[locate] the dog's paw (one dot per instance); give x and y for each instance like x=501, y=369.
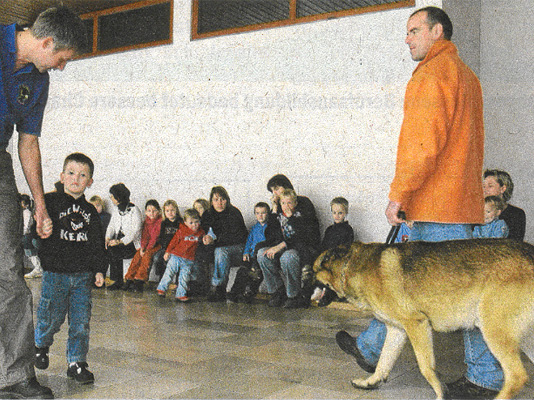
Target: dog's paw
x=365, y=384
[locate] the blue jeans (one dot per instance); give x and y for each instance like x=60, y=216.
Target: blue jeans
x=181, y=266
x=224, y=258
x=62, y=295
x=482, y=367
x=288, y=263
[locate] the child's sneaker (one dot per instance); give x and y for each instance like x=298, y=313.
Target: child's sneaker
x=79, y=372
x=161, y=293
x=183, y=299
x=41, y=358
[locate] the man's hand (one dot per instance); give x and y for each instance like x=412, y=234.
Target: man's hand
x=392, y=213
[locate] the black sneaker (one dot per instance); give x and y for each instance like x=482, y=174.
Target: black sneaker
x=28, y=389
x=217, y=294
x=41, y=357
x=348, y=344
x=278, y=298
x=464, y=389
x=127, y=285
x=79, y=372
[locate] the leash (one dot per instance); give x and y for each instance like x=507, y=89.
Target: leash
x=394, y=231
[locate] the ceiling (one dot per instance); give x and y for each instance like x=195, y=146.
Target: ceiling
x=24, y=12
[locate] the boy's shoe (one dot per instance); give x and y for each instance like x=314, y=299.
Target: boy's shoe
x=232, y=297
x=138, y=286
x=278, y=298
x=161, y=293
x=28, y=389
x=115, y=286
x=127, y=285
x=41, y=357
x=79, y=372
x=35, y=273
x=183, y=299
x=292, y=302
x=217, y=294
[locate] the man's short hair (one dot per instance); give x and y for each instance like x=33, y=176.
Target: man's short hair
x=435, y=15
x=63, y=26
x=343, y=202
x=504, y=179
x=82, y=159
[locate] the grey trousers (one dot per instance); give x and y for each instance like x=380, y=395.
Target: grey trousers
x=17, y=352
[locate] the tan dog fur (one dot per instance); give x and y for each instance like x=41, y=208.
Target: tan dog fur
x=415, y=287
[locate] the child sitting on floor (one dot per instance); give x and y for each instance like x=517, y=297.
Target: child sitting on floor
x=138, y=271
x=180, y=255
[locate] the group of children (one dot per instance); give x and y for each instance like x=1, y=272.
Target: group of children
x=74, y=258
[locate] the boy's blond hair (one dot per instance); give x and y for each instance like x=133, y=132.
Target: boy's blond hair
x=289, y=193
x=496, y=201
x=191, y=213
x=343, y=202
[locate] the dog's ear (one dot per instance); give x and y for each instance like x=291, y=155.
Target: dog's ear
x=335, y=254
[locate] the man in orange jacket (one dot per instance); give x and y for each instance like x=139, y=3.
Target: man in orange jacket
x=437, y=178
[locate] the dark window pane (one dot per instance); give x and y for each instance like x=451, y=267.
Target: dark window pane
x=215, y=15
x=134, y=27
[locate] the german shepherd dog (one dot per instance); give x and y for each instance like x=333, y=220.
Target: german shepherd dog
x=415, y=287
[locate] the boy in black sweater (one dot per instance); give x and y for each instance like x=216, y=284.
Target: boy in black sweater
x=73, y=257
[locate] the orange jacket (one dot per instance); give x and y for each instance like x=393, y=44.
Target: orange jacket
x=438, y=175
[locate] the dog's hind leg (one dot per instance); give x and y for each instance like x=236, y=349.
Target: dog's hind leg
x=503, y=341
x=393, y=345
x=420, y=333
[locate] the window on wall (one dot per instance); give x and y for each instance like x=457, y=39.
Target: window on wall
x=223, y=17
x=133, y=26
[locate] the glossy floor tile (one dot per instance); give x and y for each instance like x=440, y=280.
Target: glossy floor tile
x=146, y=347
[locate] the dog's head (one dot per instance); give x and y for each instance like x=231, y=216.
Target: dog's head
x=328, y=268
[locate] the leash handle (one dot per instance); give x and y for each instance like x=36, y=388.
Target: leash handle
x=394, y=231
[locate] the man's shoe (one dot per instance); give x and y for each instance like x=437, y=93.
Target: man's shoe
x=28, y=389
x=79, y=372
x=41, y=357
x=464, y=389
x=348, y=344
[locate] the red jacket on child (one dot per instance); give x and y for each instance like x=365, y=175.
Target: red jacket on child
x=185, y=242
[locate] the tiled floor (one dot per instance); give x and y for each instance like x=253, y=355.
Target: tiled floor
x=143, y=346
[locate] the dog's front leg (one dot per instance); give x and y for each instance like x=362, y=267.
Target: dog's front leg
x=393, y=345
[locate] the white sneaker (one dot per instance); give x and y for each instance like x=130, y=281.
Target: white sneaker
x=36, y=273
